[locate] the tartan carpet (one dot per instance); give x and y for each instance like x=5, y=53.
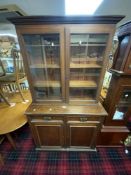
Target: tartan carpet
x=27, y=161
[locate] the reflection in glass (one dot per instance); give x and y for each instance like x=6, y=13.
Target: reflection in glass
x=44, y=62
x=120, y=113
x=82, y=93
x=87, y=48
x=86, y=59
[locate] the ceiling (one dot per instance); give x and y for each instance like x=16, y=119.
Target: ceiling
x=57, y=7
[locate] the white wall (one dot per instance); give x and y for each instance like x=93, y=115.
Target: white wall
x=57, y=7
x=116, y=7
x=33, y=7
x=38, y=7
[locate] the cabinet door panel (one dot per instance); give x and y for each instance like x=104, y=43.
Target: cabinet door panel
x=118, y=100
x=128, y=63
x=86, y=57
x=44, y=63
x=82, y=134
x=44, y=51
x=121, y=109
x=49, y=133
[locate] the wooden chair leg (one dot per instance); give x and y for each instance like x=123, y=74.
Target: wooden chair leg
x=9, y=137
x=1, y=160
x=6, y=101
x=21, y=94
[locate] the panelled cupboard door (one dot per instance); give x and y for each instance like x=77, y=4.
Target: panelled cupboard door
x=48, y=133
x=87, y=50
x=44, y=49
x=82, y=134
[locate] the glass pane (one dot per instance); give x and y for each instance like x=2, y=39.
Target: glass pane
x=44, y=62
x=98, y=38
x=82, y=94
x=120, y=113
x=86, y=58
x=8, y=64
x=123, y=105
x=126, y=97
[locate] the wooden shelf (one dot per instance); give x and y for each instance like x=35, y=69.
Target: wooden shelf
x=42, y=45
x=72, y=65
x=86, y=45
x=81, y=65
x=43, y=66
x=85, y=84
x=83, y=76
x=78, y=98
x=47, y=84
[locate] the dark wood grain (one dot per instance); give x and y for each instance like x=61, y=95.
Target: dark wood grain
x=122, y=57
x=66, y=123
x=28, y=20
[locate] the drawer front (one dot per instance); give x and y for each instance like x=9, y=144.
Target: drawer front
x=86, y=118
x=66, y=119
x=45, y=118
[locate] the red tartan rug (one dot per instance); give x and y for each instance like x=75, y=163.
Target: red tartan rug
x=27, y=161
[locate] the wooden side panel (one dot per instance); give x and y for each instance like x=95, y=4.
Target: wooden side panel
x=112, y=136
x=128, y=63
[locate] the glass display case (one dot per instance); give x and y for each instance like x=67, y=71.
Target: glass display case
x=123, y=105
x=69, y=76
x=65, y=60
x=118, y=106
x=118, y=100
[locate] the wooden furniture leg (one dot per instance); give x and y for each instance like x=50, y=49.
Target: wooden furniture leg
x=6, y=101
x=19, y=88
x=9, y=137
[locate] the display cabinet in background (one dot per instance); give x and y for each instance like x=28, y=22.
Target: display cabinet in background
x=118, y=99
x=65, y=60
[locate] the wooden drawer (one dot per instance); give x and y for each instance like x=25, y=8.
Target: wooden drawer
x=85, y=118
x=44, y=118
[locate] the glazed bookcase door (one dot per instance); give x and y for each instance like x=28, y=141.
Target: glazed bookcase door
x=122, y=106
x=45, y=62
x=86, y=57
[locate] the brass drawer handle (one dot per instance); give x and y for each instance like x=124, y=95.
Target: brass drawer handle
x=47, y=118
x=83, y=119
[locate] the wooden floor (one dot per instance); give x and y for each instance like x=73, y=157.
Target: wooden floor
x=13, y=114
